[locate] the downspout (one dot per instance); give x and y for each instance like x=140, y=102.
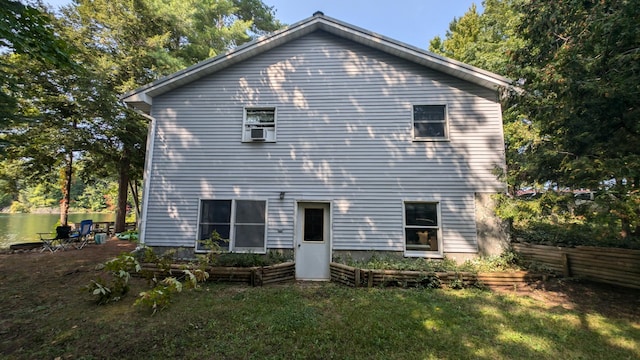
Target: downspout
x=142, y=221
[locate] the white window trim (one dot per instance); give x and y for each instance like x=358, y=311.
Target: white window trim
x=423, y=254
x=432, y=138
x=232, y=224
x=271, y=131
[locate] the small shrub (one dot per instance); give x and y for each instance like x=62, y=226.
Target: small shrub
x=508, y=260
x=429, y=281
x=456, y=284
x=160, y=296
x=385, y=262
x=194, y=277
x=393, y=282
x=119, y=272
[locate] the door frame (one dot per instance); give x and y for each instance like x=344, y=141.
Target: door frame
x=297, y=232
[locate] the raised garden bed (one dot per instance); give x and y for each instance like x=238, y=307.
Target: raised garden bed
x=356, y=277
x=255, y=276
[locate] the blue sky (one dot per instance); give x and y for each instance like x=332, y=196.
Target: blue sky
x=411, y=21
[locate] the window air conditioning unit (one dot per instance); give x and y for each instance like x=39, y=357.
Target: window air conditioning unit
x=258, y=134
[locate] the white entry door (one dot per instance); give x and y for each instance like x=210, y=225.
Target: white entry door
x=313, y=241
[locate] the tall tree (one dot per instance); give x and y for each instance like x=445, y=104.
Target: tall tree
x=461, y=39
x=25, y=30
x=48, y=128
x=581, y=70
x=128, y=43
x=35, y=68
x=488, y=40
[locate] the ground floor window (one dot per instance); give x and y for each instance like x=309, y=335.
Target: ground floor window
x=422, y=228
x=239, y=225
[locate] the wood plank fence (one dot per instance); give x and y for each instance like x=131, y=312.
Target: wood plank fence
x=606, y=265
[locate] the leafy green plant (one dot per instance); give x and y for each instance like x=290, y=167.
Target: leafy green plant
x=506, y=261
x=429, y=281
x=249, y=259
x=160, y=296
x=119, y=272
x=194, y=277
x=456, y=284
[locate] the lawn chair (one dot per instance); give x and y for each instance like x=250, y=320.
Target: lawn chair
x=60, y=241
x=80, y=238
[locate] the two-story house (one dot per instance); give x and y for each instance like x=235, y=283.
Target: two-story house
x=320, y=139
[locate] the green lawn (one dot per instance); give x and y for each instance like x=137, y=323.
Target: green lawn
x=311, y=321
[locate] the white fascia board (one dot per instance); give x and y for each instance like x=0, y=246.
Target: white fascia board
x=414, y=54
x=219, y=62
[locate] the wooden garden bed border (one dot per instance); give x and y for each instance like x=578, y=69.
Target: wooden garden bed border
x=356, y=277
x=351, y=276
x=254, y=276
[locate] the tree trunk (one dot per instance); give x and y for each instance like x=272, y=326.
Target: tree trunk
x=66, y=191
x=123, y=183
x=134, y=192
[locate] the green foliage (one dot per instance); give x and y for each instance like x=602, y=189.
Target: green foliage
x=27, y=30
x=96, y=196
x=194, y=277
x=483, y=40
x=163, y=262
x=57, y=114
x=456, y=284
x=123, y=263
x=430, y=281
x=506, y=261
x=117, y=285
x=575, y=121
x=160, y=296
x=397, y=263
x=17, y=207
x=249, y=259
x=558, y=219
x=580, y=69
x=164, y=289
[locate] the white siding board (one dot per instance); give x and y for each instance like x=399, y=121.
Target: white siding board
x=343, y=134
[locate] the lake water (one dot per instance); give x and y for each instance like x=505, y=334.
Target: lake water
x=19, y=228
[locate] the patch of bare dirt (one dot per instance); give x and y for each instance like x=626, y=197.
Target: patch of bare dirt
x=584, y=296
x=63, y=261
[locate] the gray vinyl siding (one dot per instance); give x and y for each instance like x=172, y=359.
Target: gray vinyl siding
x=344, y=125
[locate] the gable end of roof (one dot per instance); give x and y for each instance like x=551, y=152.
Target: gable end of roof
x=142, y=98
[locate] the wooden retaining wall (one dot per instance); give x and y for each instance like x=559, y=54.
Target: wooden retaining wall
x=255, y=276
x=356, y=277
x=607, y=265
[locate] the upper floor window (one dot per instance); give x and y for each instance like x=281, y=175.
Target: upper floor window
x=259, y=125
x=430, y=122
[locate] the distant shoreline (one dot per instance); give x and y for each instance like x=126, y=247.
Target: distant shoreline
x=55, y=210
